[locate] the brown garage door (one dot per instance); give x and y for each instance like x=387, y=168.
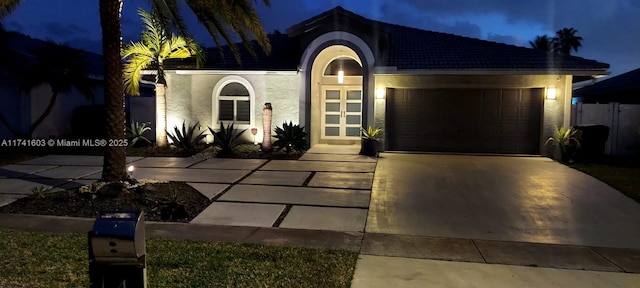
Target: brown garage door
x=464, y=120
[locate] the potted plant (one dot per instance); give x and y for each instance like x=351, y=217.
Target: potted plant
x=370, y=141
x=566, y=142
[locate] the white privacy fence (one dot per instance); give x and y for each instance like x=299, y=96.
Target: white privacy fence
x=623, y=121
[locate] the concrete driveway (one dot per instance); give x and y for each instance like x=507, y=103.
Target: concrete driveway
x=523, y=199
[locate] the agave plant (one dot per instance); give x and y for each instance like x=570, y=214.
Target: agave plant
x=135, y=131
x=226, y=138
x=563, y=138
x=290, y=137
x=371, y=133
x=187, y=139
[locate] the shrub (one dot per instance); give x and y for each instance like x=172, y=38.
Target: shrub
x=564, y=138
x=135, y=131
x=290, y=137
x=39, y=192
x=187, y=139
x=226, y=138
x=371, y=133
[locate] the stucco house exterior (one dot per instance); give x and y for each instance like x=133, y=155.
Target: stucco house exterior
x=429, y=91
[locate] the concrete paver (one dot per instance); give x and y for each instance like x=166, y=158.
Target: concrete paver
x=319, y=166
x=288, y=178
x=342, y=180
x=337, y=158
x=420, y=247
x=334, y=149
x=379, y=271
x=240, y=214
x=520, y=199
x=75, y=184
x=325, y=218
x=18, y=171
x=627, y=259
x=173, y=162
x=544, y=255
x=67, y=172
x=298, y=195
x=72, y=160
x=226, y=163
x=190, y=174
x=209, y=190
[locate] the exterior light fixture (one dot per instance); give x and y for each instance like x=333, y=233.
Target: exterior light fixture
x=340, y=77
x=254, y=131
x=130, y=170
x=380, y=93
x=552, y=93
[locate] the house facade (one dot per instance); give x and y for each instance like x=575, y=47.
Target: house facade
x=429, y=91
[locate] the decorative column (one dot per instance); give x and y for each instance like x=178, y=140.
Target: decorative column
x=267, y=113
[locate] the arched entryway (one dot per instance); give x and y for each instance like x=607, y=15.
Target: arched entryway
x=337, y=96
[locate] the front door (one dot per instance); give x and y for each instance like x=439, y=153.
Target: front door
x=341, y=112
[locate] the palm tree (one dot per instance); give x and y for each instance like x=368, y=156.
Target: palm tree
x=7, y=6
x=543, y=43
x=113, y=168
x=221, y=18
x=154, y=48
x=566, y=40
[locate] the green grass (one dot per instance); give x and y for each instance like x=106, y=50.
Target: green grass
x=35, y=260
x=624, y=179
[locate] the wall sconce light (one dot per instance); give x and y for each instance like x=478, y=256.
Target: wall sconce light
x=380, y=93
x=340, y=77
x=254, y=131
x=552, y=93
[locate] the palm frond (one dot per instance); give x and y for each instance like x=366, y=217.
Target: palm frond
x=7, y=6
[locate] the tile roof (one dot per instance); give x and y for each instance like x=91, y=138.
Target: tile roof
x=407, y=49
x=283, y=57
x=411, y=48
x=25, y=47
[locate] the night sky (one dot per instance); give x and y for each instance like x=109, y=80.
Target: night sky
x=609, y=28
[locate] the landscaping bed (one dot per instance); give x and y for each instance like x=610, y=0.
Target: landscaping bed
x=37, y=260
x=171, y=201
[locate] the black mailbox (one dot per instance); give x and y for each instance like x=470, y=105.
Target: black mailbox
x=117, y=250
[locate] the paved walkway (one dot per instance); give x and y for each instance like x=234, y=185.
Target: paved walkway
x=321, y=191
x=324, y=198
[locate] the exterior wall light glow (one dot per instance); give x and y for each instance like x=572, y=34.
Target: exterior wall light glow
x=380, y=93
x=552, y=93
x=340, y=77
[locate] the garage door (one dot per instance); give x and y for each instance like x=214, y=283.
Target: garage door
x=464, y=120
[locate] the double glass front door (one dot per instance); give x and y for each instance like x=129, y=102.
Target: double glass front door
x=341, y=112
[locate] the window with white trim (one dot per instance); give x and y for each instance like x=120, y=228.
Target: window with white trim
x=234, y=104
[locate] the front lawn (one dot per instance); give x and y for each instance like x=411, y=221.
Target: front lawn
x=624, y=178
x=60, y=260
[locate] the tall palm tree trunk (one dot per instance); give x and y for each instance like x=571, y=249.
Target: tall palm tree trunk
x=114, y=156
x=161, y=116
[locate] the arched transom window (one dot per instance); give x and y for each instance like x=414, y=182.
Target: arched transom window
x=234, y=104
